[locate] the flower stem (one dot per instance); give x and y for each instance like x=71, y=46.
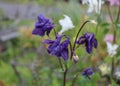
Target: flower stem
x=55, y=32
x=117, y=19
x=60, y=64
x=112, y=67
x=74, y=79
x=111, y=18
x=65, y=75
x=96, y=31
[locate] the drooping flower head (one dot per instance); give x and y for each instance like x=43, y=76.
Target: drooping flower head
x=43, y=26
x=89, y=40
x=58, y=48
x=88, y=72
x=66, y=24
x=114, y=2
x=111, y=49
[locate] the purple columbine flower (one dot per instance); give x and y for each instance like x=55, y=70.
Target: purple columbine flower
x=64, y=49
x=88, y=72
x=58, y=49
x=42, y=26
x=89, y=40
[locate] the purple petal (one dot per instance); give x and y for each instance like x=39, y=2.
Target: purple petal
x=95, y=43
x=42, y=26
x=64, y=54
x=56, y=51
x=48, y=41
x=87, y=72
x=81, y=40
x=38, y=32
x=38, y=25
x=89, y=47
x=41, y=18
x=64, y=49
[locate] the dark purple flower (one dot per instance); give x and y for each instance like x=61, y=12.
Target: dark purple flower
x=89, y=40
x=42, y=26
x=58, y=49
x=88, y=72
x=64, y=49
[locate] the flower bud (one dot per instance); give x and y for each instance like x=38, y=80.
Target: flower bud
x=75, y=58
x=93, y=21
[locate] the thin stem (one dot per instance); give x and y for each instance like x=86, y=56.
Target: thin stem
x=60, y=62
x=97, y=28
x=98, y=23
x=118, y=13
x=74, y=79
x=65, y=75
x=111, y=18
x=54, y=32
x=71, y=50
x=109, y=12
x=117, y=20
x=112, y=66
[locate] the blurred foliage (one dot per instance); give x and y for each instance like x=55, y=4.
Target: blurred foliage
x=41, y=2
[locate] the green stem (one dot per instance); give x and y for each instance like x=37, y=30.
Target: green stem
x=60, y=62
x=54, y=32
x=65, y=75
x=74, y=79
x=71, y=50
x=112, y=69
x=98, y=17
x=111, y=18
x=118, y=13
x=113, y=66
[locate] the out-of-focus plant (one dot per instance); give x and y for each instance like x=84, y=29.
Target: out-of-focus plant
x=94, y=5
x=110, y=28
x=43, y=2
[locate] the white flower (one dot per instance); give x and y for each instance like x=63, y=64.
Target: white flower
x=111, y=49
x=66, y=24
x=94, y=5
x=117, y=73
x=93, y=21
x=118, y=25
x=104, y=69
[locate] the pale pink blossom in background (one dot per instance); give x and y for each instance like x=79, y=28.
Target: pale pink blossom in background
x=114, y=2
x=109, y=38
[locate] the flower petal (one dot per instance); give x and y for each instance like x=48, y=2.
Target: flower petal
x=95, y=43
x=43, y=26
x=88, y=47
x=66, y=24
x=48, y=41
